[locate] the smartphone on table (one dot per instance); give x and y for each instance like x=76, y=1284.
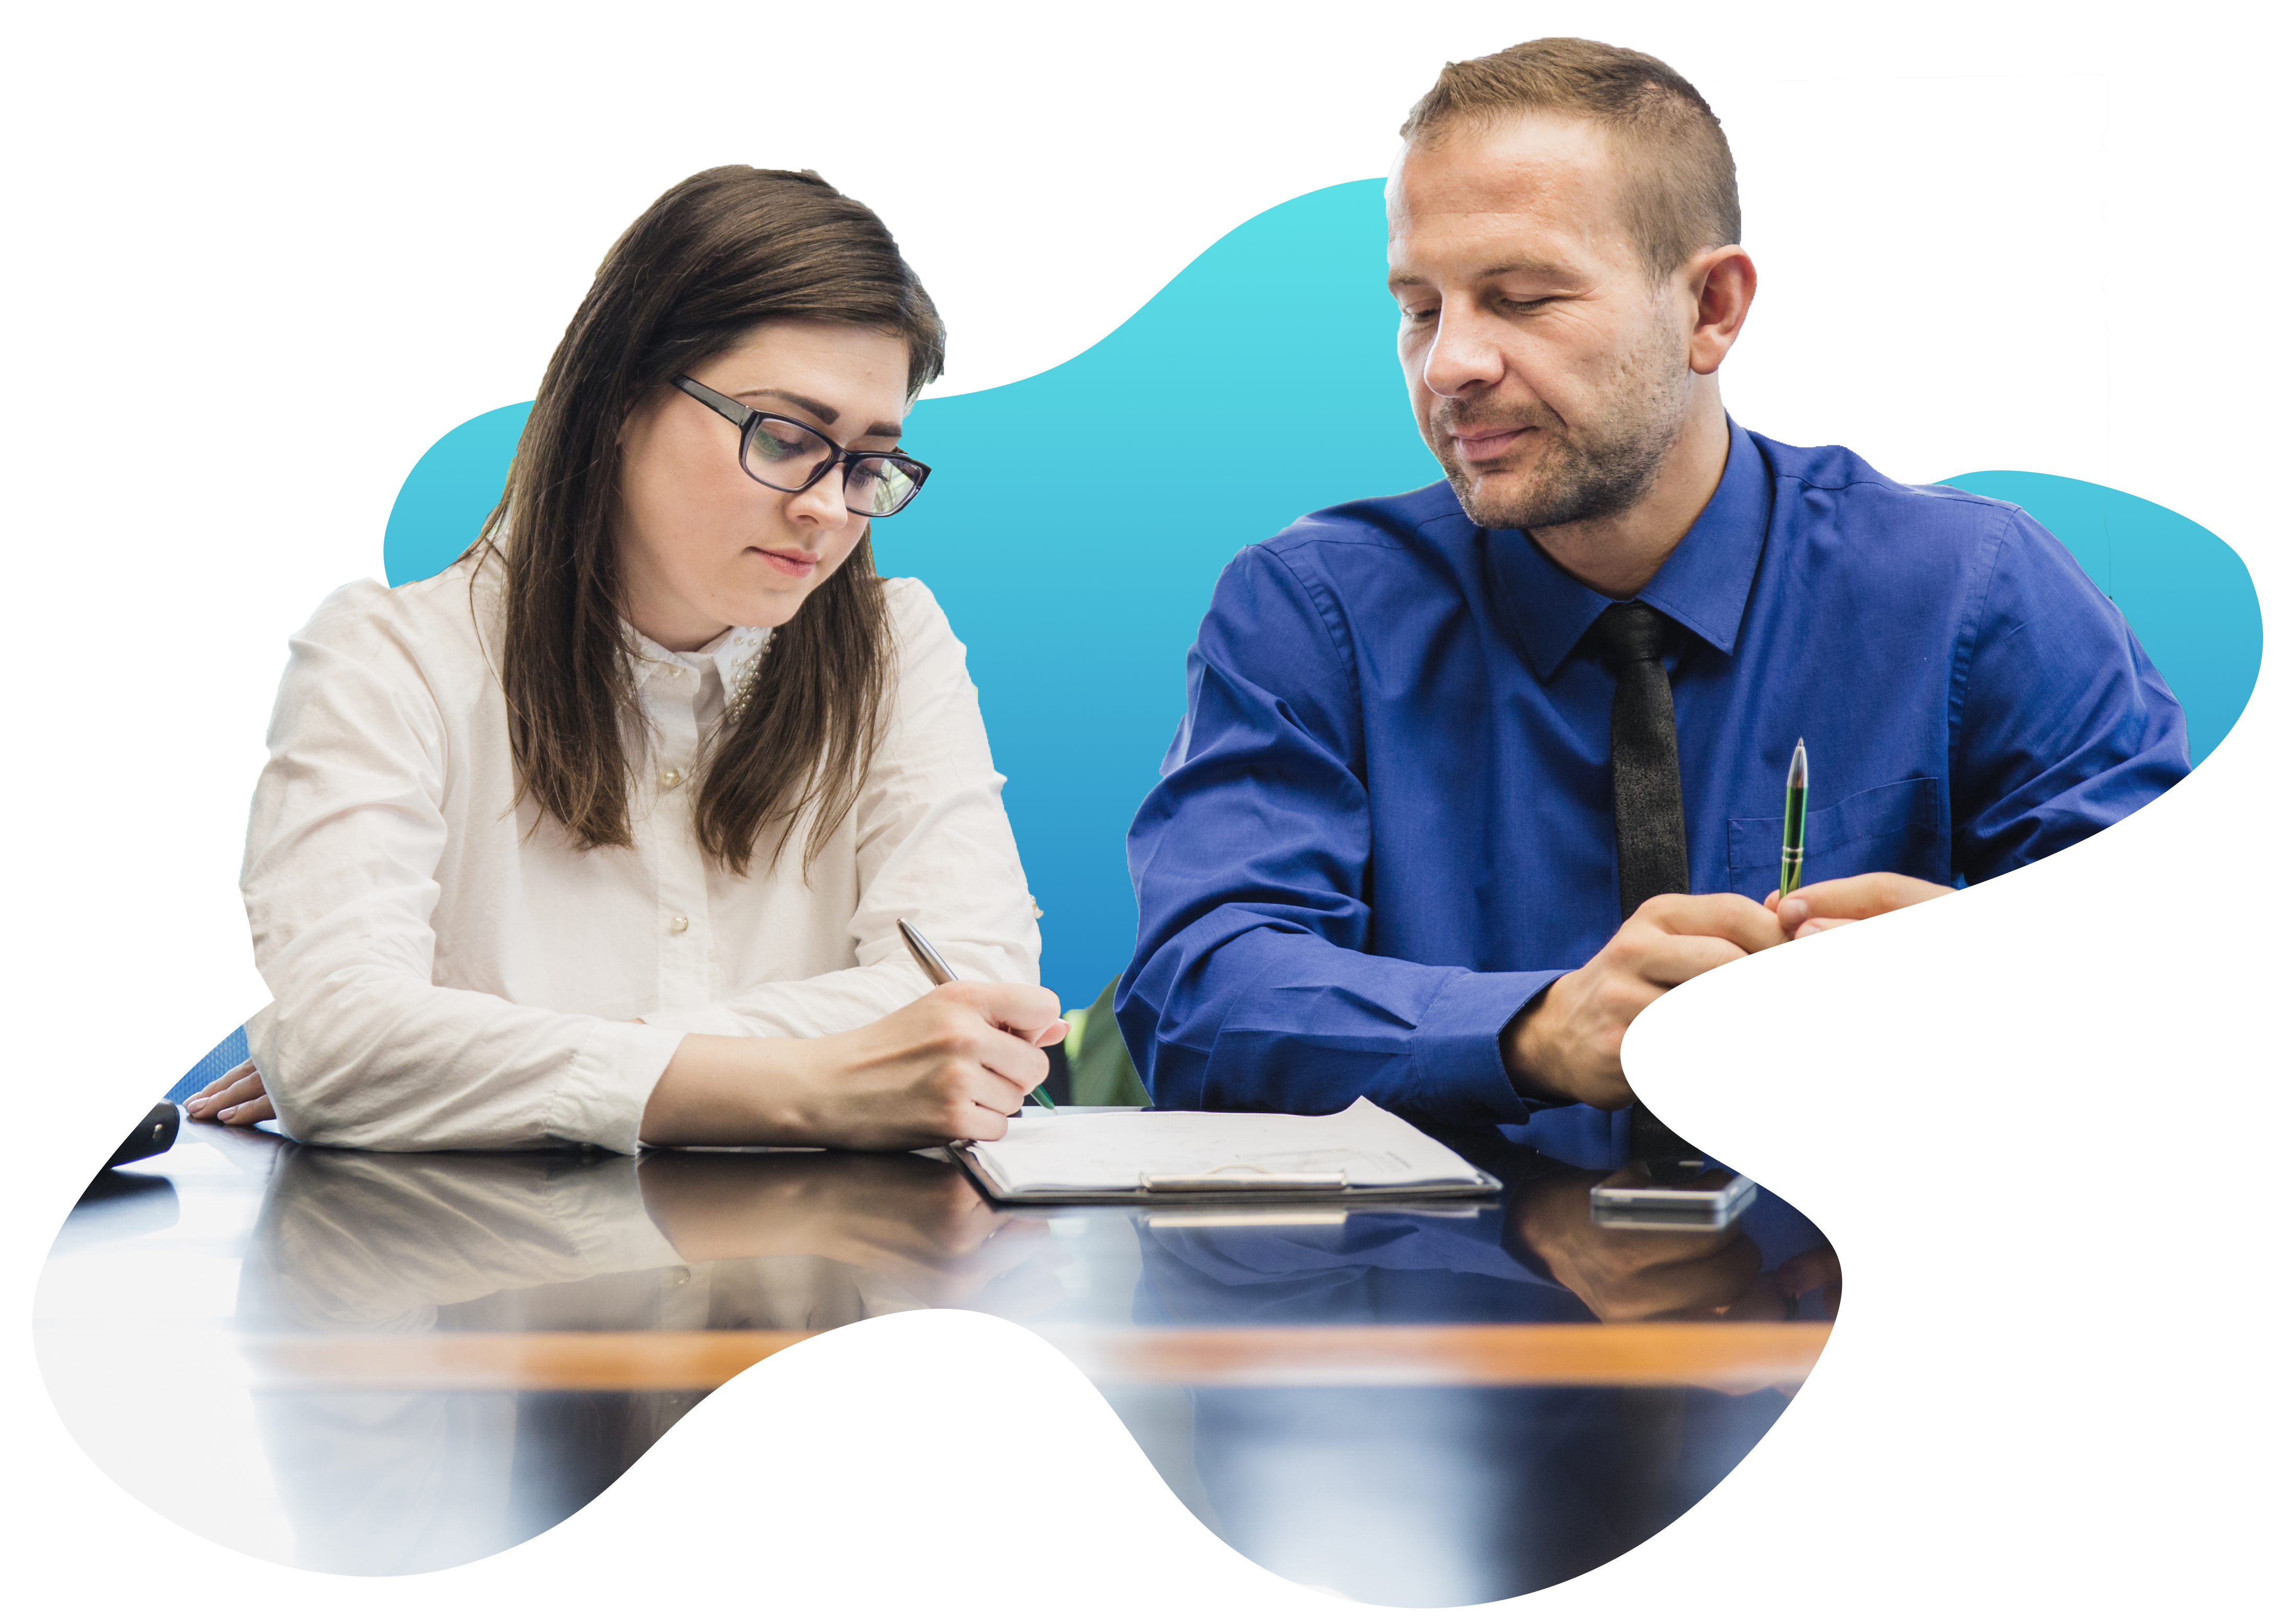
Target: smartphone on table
x=1671, y=1192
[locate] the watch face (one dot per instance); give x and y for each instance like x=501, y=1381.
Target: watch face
x=2062, y=1072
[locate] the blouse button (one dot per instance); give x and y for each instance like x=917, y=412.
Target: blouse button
x=677, y=924
x=670, y=777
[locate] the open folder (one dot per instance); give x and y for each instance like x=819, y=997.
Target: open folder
x=1361, y=1153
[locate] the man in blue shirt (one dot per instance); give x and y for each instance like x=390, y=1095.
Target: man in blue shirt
x=1382, y=860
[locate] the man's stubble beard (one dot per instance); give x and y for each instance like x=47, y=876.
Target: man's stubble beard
x=1593, y=470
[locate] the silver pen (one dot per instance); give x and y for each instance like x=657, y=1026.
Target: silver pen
x=939, y=972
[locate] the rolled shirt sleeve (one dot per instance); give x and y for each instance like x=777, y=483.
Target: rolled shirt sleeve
x=359, y=1047
x=450, y=971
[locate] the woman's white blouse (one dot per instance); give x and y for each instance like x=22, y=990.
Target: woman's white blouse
x=448, y=971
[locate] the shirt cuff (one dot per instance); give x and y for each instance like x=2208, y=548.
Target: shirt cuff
x=1456, y=1046
x=713, y=1020
x=2117, y=1036
x=601, y=1099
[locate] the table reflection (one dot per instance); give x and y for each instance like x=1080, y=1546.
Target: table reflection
x=349, y=1242
x=1427, y=1504
x=1667, y=1506
x=1861, y=1216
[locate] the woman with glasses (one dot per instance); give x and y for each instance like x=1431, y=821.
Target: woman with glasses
x=603, y=835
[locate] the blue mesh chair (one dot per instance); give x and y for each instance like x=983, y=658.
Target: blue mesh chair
x=168, y=1004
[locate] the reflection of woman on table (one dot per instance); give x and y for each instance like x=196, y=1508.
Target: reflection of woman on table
x=350, y=1245
x=600, y=836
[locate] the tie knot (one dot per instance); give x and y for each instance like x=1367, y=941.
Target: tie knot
x=1632, y=632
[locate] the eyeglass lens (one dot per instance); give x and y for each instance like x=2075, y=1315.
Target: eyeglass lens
x=787, y=457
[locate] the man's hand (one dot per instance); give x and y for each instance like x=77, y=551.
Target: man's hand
x=1918, y=959
x=1565, y=1042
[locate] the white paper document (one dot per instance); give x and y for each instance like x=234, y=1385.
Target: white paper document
x=1363, y=1147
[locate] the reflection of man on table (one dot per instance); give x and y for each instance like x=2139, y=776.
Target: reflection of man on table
x=1593, y=1504
x=1388, y=857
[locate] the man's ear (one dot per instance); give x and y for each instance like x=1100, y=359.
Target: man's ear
x=1721, y=283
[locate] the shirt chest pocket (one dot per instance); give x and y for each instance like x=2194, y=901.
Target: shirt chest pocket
x=1895, y=828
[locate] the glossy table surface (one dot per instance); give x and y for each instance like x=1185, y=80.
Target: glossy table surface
x=369, y=1363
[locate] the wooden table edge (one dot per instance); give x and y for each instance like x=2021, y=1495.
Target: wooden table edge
x=1317, y=1355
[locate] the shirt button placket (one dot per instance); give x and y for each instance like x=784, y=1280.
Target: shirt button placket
x=681, y=865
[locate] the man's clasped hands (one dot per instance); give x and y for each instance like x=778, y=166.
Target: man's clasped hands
x=1678, y=994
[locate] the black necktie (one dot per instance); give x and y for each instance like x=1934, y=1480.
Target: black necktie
x=1652, y=846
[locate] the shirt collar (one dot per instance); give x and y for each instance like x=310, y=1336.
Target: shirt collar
x=727, y=657
x=1703, y=585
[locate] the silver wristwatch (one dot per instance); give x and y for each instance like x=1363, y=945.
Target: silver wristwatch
x=2048, y=1074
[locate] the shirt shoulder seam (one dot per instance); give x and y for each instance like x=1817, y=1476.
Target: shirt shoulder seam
x=1320, y=600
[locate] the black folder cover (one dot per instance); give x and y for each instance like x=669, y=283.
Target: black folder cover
x=72, y=1132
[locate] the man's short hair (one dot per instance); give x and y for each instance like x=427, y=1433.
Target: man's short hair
x=1666, y=138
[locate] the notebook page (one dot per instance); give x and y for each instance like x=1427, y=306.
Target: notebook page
x=1121, y=1150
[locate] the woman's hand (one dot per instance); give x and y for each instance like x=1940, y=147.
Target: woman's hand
x=235, y=1097
x=954, y=1063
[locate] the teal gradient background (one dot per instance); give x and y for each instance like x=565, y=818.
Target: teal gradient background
x=2197, y=540
x=234, y=321
x=2074, y=510
x=234, y=364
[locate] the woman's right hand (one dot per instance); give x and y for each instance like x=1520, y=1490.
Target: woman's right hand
x=954, y=1063
x=235, y=1097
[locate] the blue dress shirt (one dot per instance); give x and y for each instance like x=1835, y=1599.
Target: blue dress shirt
x=1385, y=823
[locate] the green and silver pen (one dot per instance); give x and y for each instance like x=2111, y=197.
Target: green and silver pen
x=1796, y=813
x=939, y=972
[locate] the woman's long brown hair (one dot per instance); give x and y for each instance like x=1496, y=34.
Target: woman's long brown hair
x=722, y=252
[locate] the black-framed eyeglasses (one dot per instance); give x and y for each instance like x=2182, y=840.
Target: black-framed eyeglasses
x=789, y=455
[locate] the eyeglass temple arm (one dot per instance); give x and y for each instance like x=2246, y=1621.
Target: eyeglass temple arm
x=737, y=411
